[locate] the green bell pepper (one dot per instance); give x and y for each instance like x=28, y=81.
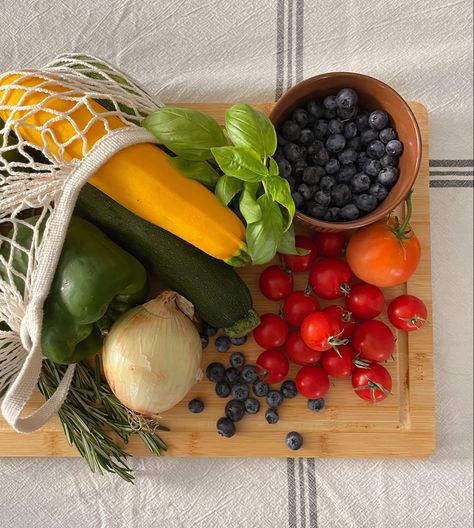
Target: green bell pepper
x=95, y=282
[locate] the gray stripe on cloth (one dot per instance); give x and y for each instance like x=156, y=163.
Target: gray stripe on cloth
x=312, y=494
x=452, y=163
x=280, y=51
x=299, y=39
x=302, y=492
x=451, y=173
x=451, y=183
x=290, y=472
x=289, y=80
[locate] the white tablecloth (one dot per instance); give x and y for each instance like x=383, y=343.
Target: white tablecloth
x=251, y=51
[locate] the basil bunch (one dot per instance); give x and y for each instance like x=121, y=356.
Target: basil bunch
x=250, y=183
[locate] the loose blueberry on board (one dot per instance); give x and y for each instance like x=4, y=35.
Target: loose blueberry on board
x=215, y=372
x=237, y=360
x=290, y=130
x=222, y=389
x=350, y=130
x=378, y=119
x=272, y=416
x=260, y=388
x=208, y=330
x=312, y=175
x=196, y=405
x=225, y=427
x=349, y=212
x=388, y=176
x=333, y=214
x=274, y=399
x=288, y=389
x=376, y=149
x=346, y=98
x=249, y=373
x=232, y=375
x=222, y=344
x=332, y=166
x=360, y=183
x=394, y=147
x=335, y=126
x=346, y=173
x=306, y=137
x=238, y=341
x=294, y=440
x=204, y=341
x=235, y=410
x=372, y=167
x=365, y=202
x=335, y=143
x=388, y=161
x=316, y=405
x=347, y=156
x=252, y=405
x=379, y=191
x=387, y=134
x=240, y=391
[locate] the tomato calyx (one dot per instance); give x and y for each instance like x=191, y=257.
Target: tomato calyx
x=346, y=316
x=345, y=288
x=308, y=290
x=334, y=341
x=415, y=320
x=373, y=386
x=402, y=231
x=361, y=363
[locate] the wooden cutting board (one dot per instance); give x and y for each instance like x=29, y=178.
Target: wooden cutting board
x=403, y=425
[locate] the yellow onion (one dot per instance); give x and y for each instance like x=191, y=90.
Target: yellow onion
x=152, y=354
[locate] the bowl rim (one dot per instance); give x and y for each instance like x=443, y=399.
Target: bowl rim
x=382, y=210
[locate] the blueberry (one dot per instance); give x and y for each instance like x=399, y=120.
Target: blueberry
x=362, y=121
x=347, y=156
x=225, y=427
x=332, y=166
x=298, y=199
x=240, y=391
x=314, y=188
x=232, y=375
x=388, y=176
x=292, y=183
x=347, y=114
x=249, y=373
x=316, y=405
x=346, y=173
x=372, y=167
x=350, y=130
x=361, y=159
x=360, y=183
x=323, y=197
x=196, y=406
x=335, y=143
x=288, y=389
x=260, y=388
x=387, y=134
x=335, y=126
x=215, y=372
x=314, y=109
x=330, y=103
x=204, y=341
x=208, y=330
x=340, y=195
x=367, y=136
x=252, y=405
x=388, y=161
x=365, y=202
x=238, y=341
x=312, y=175
x=290, y=130
x=294, y=440
x=292, y=151
x=321, y=157
x=355, y=143
x=378, y=119
x=274, y=398
x=317, y=211
x=234, y=410
x=222, y=389
x=346, y=98
x=379, y=191
x=298, y=167
x=222, y=344
x=271, y=416
x=306, y=137
x=329, y=114
x=321, y=129
x=300, y=117
x=237, y=360
x=376, y=149
x=333, y=214
x=281, y=140
x=284, y=167
x=305, y=191
x=394, y=147
x=327, y=182
x=315, y=146
x=349, y=212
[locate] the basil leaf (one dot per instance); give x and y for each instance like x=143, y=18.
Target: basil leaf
x=187, y=133
x=287, y=243
x=248, y=127
x=279, y=190
x=249, y=207
x=227, y=187
x=274, y=169
x=200, y=171
x=240, y=162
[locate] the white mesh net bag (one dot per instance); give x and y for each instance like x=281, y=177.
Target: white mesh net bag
x=58, y=126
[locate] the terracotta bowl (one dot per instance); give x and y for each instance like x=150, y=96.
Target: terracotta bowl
x=373, y=94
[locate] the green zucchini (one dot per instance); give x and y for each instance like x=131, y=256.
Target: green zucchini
x=219, y=295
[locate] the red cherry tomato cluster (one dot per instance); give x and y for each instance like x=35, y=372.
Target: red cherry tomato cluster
x=341, y=341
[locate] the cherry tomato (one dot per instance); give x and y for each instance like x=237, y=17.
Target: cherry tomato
x=312, y=382
x=407, y=312
x=343, y=317
x=298, y=352
x=365, y=301
x=321, y=332
x=297, y=306
x=329, y=278
x=274, y=365
x=301, y=262
x=339, y=363
x=272, y=332
x=373, y=383
x=329, y=244
x=275, y=283
x=373, y=340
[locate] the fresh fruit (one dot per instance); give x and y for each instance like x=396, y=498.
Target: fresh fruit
x=312, y=382
x=196, y=406
x=329, y=244
x=407, y=312
x=237, y=360
x=274, y=399
x=275, y=283
x=238, y=341
x=260, y=388
x=372, y=382
x=394, y=147
x=274, y=365
x=316, y=404
x=232, y=375
x=338, y=363
x=344, y=319
x=204, y=341
x=222, y=389
x=329, y=278
x=271, y=416
x=378, y=119
x=249, y=373
x=215, y=372
x=321, y=332
x=208, y=330
x=300, y=263
x=299, y=352
x=252, y=405
x=272, y=332
x=225, y=427
x=288, y=389
x=294, y=441
x=373, y=340
x=240, y=391
x=222, y=343
x=365, y=301
x=296, y=307
x=235, y=410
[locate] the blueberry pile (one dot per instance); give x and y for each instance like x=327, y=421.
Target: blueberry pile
x=340, y=162
x=222, y=343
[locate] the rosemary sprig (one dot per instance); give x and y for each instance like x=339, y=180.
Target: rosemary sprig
x=91, y=412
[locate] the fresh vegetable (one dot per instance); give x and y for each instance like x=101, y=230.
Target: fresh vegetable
x=329, y=244
x=95, y=282
x=372, y=382
x=274, y=366
x=300, y=263
x=275, y=283
x=407, y=312
x=321, y=332
x=298, y=305
x=343, y=317
x=152, y=354
x=294, y=440
x=219, y=295
x=385, y=253
x=339, y=363
x=329, y=278
x=312, y=382
x=272, y=332
x=140, y=177
x=299, y=352
x=365, y=301
x=373, y=340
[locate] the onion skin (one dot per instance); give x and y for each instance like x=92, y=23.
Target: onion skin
x=152, y=354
